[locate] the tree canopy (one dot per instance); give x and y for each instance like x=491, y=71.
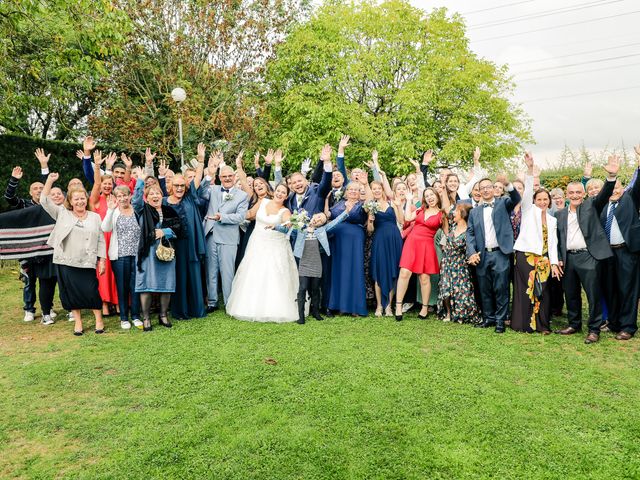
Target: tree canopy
x=395, y=79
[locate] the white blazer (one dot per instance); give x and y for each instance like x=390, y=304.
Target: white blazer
x=108, y=224
x=530, y=238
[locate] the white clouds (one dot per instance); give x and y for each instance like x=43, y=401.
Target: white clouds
x=562, y=113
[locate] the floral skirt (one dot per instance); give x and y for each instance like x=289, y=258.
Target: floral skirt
x=531, y=310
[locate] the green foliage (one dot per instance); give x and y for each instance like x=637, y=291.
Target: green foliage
x=365, y=398
x=53, y=57
x=394, y=79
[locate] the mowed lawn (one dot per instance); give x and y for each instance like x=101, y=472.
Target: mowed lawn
x=344, y=398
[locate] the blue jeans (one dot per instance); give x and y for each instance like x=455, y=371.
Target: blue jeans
x=124, y=271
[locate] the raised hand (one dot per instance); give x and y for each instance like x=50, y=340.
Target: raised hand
x=88, y=145
x=256, y=160
x=415, y=164
x=476, y=156
x=613, y=165
x=112, y=203
x=502, y=178
x=344, y=143
x=215, y=159
x=277, y=157
x=17, y=173
x=53, y=177
x=268, y=158
x=110, y=160
x=148, y=156
x=80, y=154
x=374, y=157
x=427, y=157
x=528, y=161
x=42, y=158
x=201, y=151
x=162, y=168
x=239, y=161
x=588, y=169
x=306, y=166
x=536, y=171
x=97, y=158
x=325, y=153
x=138, y=173
x=126, y=160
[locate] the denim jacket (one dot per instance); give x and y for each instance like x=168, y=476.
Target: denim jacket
x=320, y=233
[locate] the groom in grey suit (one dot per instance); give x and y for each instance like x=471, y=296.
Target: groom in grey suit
x=226, y=211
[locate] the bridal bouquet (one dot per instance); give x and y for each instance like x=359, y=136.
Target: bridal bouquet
x=299, y=219
x=371, y=207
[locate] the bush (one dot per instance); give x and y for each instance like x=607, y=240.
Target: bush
x=560, y=177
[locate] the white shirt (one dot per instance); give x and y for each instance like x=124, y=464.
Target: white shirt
x=490, y=237
x=616, y=234
x=575, y=239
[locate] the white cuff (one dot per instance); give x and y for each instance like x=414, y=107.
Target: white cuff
x=509, y=187
x=44, y=171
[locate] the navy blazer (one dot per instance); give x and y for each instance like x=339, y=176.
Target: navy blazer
x=501, y=222
x=314, y=195
x=626, y=214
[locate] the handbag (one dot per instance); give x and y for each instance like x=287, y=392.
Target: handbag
x=165, y=253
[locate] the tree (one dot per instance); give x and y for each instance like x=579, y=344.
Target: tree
x=53, y=56
x=214, y=50
x=395, y=79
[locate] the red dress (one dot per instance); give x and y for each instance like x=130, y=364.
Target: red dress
x=419, y=252
x=106, y=282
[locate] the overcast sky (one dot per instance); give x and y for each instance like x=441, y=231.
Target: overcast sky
x=559, y=70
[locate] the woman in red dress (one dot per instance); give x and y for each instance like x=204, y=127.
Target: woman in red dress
x=101, y=191
x=419, y=253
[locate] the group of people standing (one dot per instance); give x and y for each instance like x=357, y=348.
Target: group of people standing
x=489, y=253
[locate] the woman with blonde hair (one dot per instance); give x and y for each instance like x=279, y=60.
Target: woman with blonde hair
x=78, y=247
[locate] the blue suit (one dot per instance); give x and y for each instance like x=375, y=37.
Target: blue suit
x=494, y=266
x=313, y=197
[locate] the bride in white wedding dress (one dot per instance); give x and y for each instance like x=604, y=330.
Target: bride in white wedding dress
x=265, y=286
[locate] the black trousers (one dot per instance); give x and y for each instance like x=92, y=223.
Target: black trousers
x=493, y=278
x=583, y=270
x=622, y=286
x=311, y=285
x=557, y=296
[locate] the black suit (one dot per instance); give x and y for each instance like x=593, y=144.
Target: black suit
x=622, y=270
x=583, y=267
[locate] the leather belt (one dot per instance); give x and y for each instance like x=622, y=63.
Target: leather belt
x=577, y=250
x=491, y=249
x=619, y=245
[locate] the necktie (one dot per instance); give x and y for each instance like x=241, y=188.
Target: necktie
x=609, y=222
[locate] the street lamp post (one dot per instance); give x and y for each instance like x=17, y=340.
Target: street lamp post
x=179, y=95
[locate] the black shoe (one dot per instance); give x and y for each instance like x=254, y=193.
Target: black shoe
x=166, y=323
x=317, y=316
x=146, y=325
x=329, y=314
x=424, y=317
x=99, y=330
x=500, y=329
x=78, y=334
x=211, y=308
x=484, y=325
x=399, y=317
x=300, y=321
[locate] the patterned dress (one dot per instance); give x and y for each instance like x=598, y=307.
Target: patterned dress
x=455, y=281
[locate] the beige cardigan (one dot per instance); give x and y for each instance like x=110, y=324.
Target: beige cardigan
x=75, y=244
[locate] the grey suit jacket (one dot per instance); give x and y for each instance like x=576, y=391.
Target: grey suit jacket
x=233, y=211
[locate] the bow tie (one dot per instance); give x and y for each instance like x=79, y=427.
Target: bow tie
x=225, y=190
x=490, y=205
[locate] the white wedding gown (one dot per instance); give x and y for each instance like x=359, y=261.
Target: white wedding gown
x=265, y=286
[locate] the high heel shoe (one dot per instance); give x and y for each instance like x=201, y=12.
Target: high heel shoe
x=166, y=323
x=398, y=317
x=146, y=325
x=378, y=312
x=424, y=317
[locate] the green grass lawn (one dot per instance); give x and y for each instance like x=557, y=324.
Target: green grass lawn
x=344, y=398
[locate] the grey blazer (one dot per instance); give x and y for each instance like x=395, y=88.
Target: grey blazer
x=225, y=231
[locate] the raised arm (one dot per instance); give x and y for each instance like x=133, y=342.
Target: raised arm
x=527, y=198
x=325, y=184
x=612, y=167
x=94, y=197
x=242, y=176
x=51, y=208
x=137, y=201
x=427, y=157
x=344, y=143
x=476, y=175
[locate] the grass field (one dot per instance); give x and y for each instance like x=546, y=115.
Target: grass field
x=344, y=398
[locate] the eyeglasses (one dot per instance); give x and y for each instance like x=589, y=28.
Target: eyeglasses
x=486, y=187
x=179, y=185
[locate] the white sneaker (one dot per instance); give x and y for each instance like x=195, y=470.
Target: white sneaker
x=137, y=323
x=47, y=320
x=52, y=314
x=29, y=316
x=125, y=325
x=406, y=307
x=70, y=317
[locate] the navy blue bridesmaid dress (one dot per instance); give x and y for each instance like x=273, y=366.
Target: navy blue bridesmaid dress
x=348, y=293
x=385, y=252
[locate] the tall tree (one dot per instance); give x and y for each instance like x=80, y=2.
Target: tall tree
x=214, y=50
x=394, y=78
x=54, y=54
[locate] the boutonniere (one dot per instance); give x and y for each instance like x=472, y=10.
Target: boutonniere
x=226, y=196
x=338, y=195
